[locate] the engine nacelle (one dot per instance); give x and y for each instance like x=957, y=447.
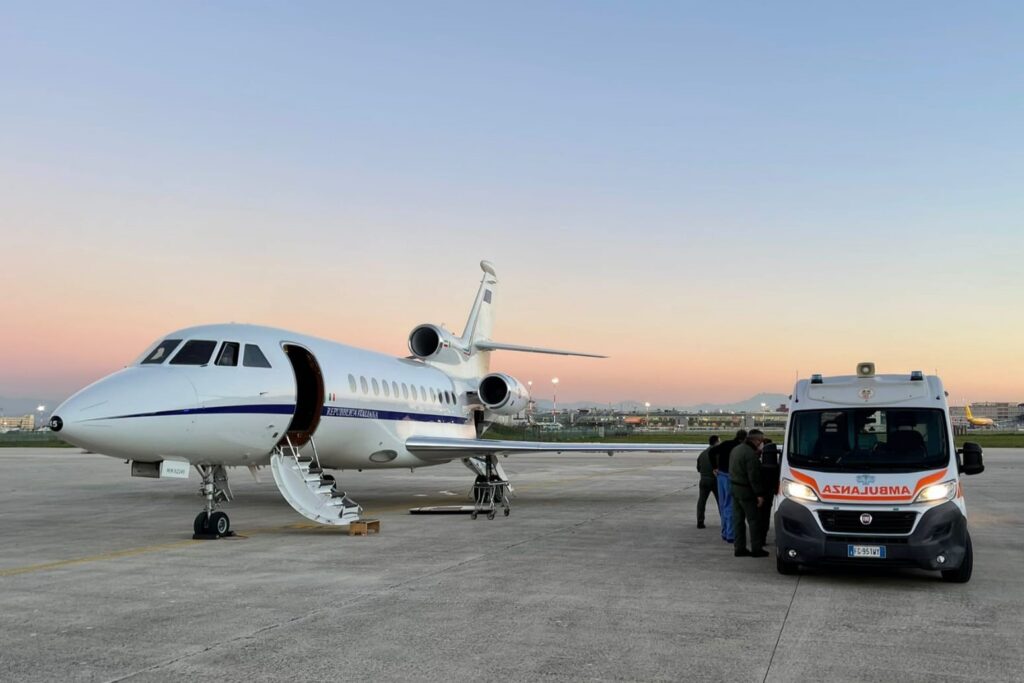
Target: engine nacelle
x=503, y=394
x=433, y=343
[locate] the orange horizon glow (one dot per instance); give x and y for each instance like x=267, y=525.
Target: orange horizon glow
x=86, y=332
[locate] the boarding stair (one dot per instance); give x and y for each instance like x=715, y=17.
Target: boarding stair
x=303, y=483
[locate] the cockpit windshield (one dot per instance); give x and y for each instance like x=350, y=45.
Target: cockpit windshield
x=869, y=439
x=161, y=352
x=194, y=352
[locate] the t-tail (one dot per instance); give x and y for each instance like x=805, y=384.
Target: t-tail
x=470, y=353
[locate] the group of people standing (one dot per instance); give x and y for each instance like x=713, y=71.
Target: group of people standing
x=743, y=479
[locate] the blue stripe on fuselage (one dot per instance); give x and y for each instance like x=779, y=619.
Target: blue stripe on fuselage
x=287, y=409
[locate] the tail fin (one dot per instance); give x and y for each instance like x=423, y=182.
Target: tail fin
x=481, y=316
x=967, y=412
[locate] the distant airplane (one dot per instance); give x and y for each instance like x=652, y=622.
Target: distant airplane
x=217, y=396
x=977, y=421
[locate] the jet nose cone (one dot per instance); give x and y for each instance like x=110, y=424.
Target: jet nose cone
x=110, y=416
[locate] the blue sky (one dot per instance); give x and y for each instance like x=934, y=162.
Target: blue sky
x=861, y=161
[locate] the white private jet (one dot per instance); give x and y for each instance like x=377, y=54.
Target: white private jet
x=217, y=396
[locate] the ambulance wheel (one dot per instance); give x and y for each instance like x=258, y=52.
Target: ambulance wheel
x=786, y=568
x=219, y=523
x=962, y=574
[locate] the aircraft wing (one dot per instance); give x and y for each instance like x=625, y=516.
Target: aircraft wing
x=443, y=449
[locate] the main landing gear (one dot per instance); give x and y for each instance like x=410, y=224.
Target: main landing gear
x=212, y=523
x=490, y=490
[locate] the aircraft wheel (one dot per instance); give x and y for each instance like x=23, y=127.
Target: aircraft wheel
x=219, y=523
x=199, y=526
x=472, y=515
x=508, y=512
x=490, y=515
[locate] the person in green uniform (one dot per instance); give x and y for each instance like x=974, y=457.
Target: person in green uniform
x=747, y=495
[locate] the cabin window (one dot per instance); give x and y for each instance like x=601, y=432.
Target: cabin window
x=387, y=389
x=254, y=358
x=433, y=395
x=394, y=389
x=376, y=386
x=415, y=395
x=365, y=386
x=352, y=383
x=161, y=352
x=228, y=354
x=195, y=352
x=405, y=391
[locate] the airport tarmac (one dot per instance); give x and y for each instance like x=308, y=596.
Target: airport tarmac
x=599, y=574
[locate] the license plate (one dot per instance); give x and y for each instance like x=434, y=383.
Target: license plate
x=877, y=551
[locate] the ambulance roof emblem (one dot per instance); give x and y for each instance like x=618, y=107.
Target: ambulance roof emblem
x=866, y=393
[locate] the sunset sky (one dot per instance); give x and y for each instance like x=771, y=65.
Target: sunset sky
x=717, y=195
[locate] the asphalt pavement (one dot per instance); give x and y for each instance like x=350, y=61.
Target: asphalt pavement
x=600, y=573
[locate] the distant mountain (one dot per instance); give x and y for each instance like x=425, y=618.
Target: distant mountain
x=751, y=405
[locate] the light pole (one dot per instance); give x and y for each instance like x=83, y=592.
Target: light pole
x=554, y=399
x=647, y=420
x=40, y=408
x=529, y=398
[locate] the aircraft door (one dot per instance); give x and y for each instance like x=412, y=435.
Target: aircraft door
x=309, y=394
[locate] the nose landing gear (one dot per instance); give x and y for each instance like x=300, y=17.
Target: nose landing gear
x=211, y=523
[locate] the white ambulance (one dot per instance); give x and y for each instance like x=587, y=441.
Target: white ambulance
x=869, y=474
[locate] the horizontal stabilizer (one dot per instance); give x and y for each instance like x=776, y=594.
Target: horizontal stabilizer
x=443, y=449
x=488, y=345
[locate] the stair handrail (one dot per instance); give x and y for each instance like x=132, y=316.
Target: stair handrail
x=316, y=454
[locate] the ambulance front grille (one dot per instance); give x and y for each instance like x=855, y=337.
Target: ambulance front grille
x=853, y=522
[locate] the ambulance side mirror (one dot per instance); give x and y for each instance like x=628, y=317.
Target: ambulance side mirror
x=970, y=460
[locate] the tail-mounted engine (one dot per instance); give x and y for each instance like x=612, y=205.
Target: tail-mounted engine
x=503, y=394
x=433, y=343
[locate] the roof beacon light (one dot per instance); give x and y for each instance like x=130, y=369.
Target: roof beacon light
x=865, y=369
x=816, y=379
x=916, y=376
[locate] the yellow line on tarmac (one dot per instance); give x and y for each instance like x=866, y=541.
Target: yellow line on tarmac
x=298, y=526
x=14, y=571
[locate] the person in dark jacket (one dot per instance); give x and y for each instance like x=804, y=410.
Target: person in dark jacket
x=708, y=482
x=747, y=495
x=720, y=464
x=769, y=482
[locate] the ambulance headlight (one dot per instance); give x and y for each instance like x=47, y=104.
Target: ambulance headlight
x=798, y=491
x=944, y=491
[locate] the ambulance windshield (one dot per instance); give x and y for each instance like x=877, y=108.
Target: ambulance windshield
x=869, y=439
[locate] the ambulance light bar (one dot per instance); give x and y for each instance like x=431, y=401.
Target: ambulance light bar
x=816, y=379
x=916, y=376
